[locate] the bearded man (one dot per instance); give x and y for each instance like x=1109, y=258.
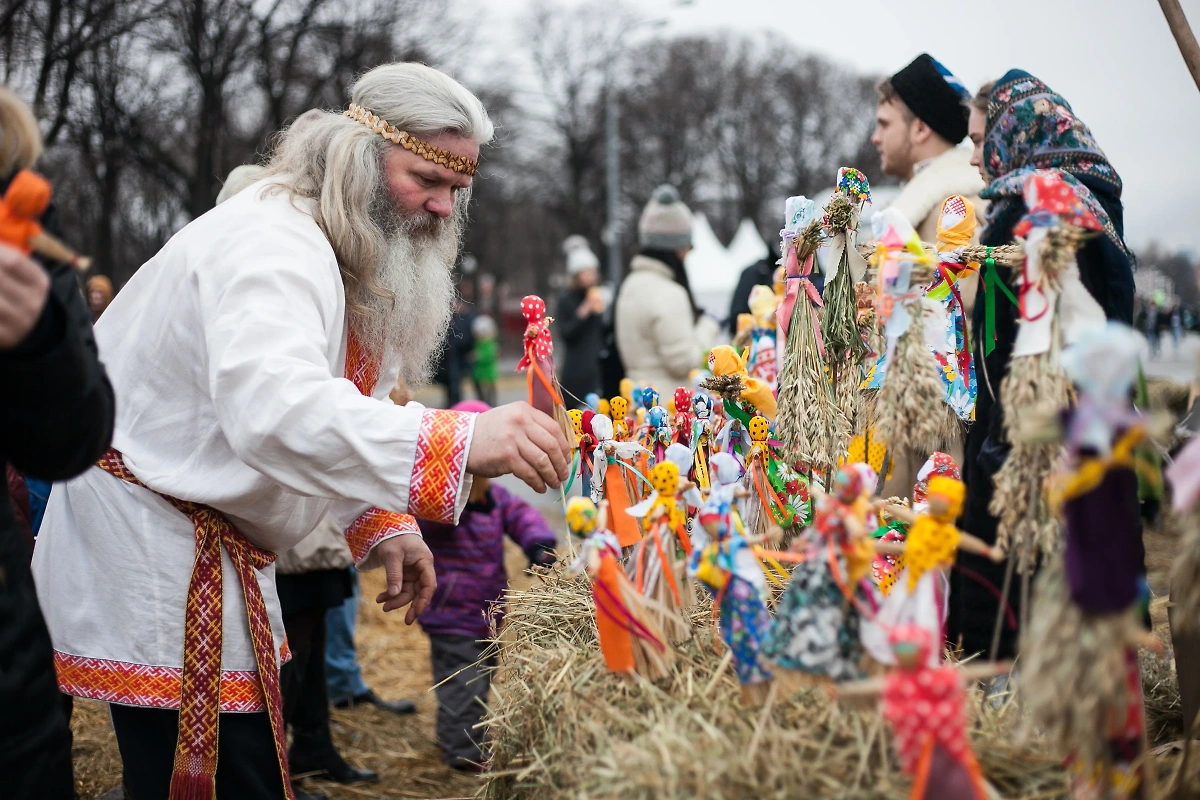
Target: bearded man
x=252, y=358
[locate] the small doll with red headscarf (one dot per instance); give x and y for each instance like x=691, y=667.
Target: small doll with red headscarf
x=538, y=364
x=925, y=706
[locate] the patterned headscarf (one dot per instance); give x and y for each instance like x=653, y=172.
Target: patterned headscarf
x=1030, y=127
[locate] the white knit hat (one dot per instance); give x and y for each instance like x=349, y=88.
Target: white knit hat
x=666, y=223
x=579, y=255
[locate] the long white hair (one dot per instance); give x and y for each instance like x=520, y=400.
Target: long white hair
x=399, y=289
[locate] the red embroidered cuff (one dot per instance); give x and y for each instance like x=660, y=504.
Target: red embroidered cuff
x=441, y=462
x=373, y=527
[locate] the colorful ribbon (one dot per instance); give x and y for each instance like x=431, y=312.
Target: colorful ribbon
x=992, y=281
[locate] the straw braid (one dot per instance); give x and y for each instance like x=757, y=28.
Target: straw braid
x=437, y=155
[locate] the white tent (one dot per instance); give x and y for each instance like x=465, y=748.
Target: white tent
x=711, y=272
x=747, y=246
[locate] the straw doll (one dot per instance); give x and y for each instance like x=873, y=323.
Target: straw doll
x=918, y=595
x=655, y=567
x=629, y=637
x=910, y=413
x=816, y=634
x=1054, y=307
x=611, y=479
x=729, y=570
x=845, y=349
x=925, y=706
x=808, y=421
x=1080, y=679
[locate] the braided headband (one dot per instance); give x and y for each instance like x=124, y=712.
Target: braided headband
x=437, y=155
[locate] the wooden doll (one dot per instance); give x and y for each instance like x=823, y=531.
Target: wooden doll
x=729, y=570
x=610, y=479
x=628, y=634
x=925, y=706
x=817, y=630
x=655, y=566
x=619, y=408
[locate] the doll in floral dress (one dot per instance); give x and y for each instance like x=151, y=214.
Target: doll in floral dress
x=819, y=617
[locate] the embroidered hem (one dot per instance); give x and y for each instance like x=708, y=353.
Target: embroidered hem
x=150, y=687
x=373, y=527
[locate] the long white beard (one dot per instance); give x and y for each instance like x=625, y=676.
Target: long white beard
x=411, y=325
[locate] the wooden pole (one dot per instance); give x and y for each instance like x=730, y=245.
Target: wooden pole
x=1188, y=48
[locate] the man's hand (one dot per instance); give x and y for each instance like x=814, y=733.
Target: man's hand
x=410, y=577
x=518, y=439
x=24, y=286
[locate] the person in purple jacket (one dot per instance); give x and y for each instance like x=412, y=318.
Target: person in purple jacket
x=469, y=561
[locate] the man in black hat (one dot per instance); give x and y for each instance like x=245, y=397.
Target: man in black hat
x=919, y=123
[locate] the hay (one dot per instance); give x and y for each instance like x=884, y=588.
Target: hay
x=561, y=726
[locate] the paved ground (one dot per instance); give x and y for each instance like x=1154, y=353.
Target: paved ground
x=1176, y=363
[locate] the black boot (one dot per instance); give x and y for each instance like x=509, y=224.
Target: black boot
x=327, y=761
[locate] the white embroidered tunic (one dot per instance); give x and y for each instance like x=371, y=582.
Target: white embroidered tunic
x=227, y=352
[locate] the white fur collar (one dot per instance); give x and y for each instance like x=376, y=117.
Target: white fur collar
x=949, y=174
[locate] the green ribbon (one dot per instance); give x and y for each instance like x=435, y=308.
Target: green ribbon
x=734, y=411
x=992, y=281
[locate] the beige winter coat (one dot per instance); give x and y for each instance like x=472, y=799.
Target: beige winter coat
x=920, y=201
x=324, y=548
x=658, y=341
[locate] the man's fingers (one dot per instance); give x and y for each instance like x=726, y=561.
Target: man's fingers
x=526, y=473
x=544, y=441
x=426, y=581
x=557, y=447
x=534, y=457
x=393, y=567
x=549, y=440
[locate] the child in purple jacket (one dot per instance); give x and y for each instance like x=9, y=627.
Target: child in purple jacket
x=469, y=561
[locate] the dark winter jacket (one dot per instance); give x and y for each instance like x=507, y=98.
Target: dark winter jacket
x=469, y=560
x=1108, y=276
x=578, y=365
x=56, y=420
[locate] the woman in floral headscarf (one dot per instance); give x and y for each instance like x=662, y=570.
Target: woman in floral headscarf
x=1019, y=125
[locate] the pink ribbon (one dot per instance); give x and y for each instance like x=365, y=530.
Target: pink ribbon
x=795, y=278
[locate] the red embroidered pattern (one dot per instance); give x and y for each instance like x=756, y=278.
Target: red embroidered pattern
x=441, y=460
x=372, y=527
x=141, y=685
x=362, y=369
x=195, y=768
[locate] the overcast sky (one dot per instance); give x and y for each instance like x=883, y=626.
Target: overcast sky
x=1114, y=60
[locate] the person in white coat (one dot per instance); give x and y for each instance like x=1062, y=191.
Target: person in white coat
x=661, y=334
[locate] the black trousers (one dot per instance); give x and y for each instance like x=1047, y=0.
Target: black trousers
x=35, y=742
x=246, y=765
x=302, y=681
